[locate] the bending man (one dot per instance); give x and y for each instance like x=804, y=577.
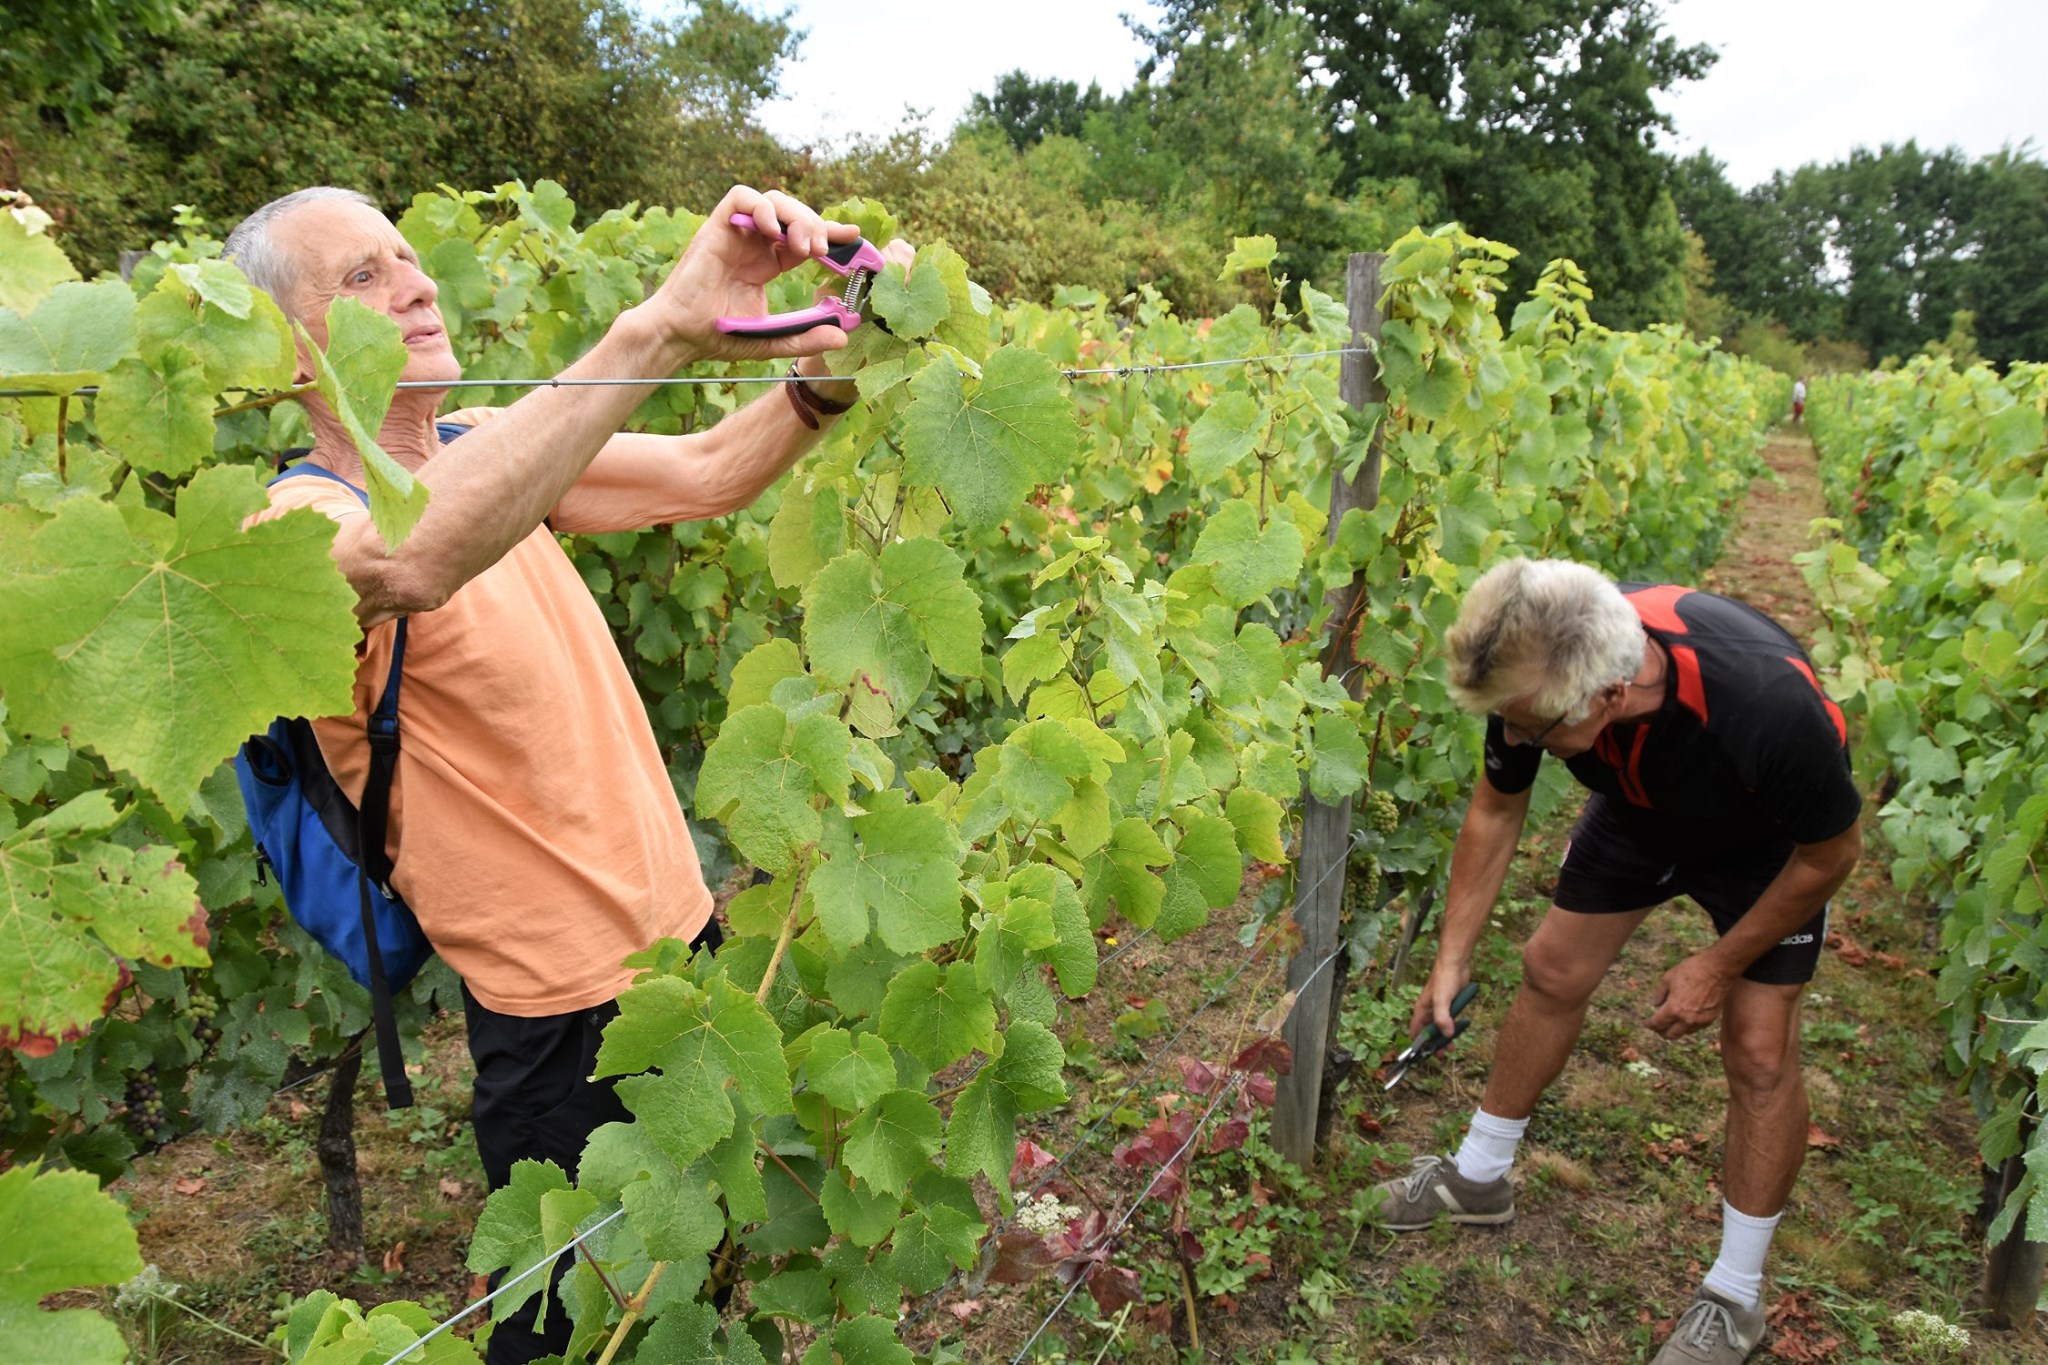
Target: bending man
x=1718, y=770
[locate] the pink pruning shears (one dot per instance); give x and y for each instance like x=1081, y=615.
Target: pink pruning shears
x=857, y=260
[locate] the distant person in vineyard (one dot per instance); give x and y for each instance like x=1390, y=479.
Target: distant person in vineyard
x=1798, y=401
x=1719, y=770
x=534, y=829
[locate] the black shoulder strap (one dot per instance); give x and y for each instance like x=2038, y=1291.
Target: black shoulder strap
x=373, y=817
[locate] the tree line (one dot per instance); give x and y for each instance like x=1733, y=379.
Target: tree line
x=1334, y=125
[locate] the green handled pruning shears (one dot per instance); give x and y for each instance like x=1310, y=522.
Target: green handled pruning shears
x=1432, y=1040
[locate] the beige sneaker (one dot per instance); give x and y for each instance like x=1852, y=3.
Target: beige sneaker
x=1713, y=1331
x=1433, y=1189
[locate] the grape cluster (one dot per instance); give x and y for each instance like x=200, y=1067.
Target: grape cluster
x=1381, y=814
x=1361, y=886
x=201, y=1010
x=145, y=1103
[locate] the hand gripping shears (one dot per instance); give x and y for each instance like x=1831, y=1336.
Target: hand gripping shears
x=1432, y=1040
x=857, y=260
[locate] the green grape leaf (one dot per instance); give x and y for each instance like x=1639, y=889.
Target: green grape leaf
x=1249, y=253
x=1208, y=852
x=1224, y=435
x=220, y=283
x=1041, y=763
x=913, y=303
x=1340, y=759
x=757, y=672
x=808, y=532
x=905, y=870
x=930, y=1243
x=861, y=1285
x=159, y=417
x=1123, y=872
x=1249, y=561
x=764, y=775
x=888, y=621
x=533, y=1216
x=325, y=1330
x=988, y=450
x=852, y=1072
x=31, y=265
x=938, y=1014
x=856, y=1211
x=799, y=1294
x=1257, y=819
x=704, y=1036
x=252, y=352
x=74, y=336
x=982, y=1135
x=891, y=1142
x=684, y=1117
x=1073, y=957
x=162, y=643
x=68, y=904
x=866, y=1340
x=355, y=374
x=96, y=1247
x=677, y=1217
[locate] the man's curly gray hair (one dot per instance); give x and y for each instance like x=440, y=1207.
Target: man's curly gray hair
x=1546, y=631
x=268, y=266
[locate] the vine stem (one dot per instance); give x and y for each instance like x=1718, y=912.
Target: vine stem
x=63, y=420
x=265, y=401
x=633, y=1311
x=776, y=1157
x=796, y=900
x=604, y=1279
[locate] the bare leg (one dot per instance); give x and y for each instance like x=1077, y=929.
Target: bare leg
x=1561, y=964
x=1767, y=1109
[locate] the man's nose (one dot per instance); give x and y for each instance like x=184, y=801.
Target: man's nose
x=416, y=287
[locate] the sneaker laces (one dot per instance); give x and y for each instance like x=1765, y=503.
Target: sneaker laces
x=1703, y=1320
x=1426, y=1171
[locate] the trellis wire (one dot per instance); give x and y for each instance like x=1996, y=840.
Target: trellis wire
x=524, y=1275
x=1121, y=371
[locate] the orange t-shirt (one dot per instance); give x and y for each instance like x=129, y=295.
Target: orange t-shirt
x=534, y=831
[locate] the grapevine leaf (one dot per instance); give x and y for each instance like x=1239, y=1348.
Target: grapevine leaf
x=1224, y=435
x=858, y=1212
x=1123, y=872
x=905, y=870
x=938, y=1014
x=678, y=1218
x=1250, y=561
x=932, y=1242
x=1257, y=819
x=1015, y=925
x=684, y=1118
x=988, y=450
x=31, y=265
x=982, y=1135
x=1208, y=851
x=1249, y=253
x=355, y=374
x=67, y=904
x=97, y=1247
x=1073, y=957
x=1340, y=759
x=1041, y=763
x=887, y=621
x=219, y=283
x=534, y=1215
x=756, y=674
x=892, y=1140
x=865, y=1340
x=801, y=1295
x=809, y=532
x=913, y=303
x=325, y=1330
x=794, y=1221
x=861, y=1285
x=763, y=775
x=705, y=1037
x=75, y=335
x=165, y=643
x=160, y=416
x=852, y=1072
x=252, y=352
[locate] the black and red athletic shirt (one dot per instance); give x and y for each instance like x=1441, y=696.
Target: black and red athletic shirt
x=1745, y=752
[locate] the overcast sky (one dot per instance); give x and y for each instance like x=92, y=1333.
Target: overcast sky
x=1798, y=80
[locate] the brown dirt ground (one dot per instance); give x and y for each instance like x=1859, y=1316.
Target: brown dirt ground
x=1618, y=1207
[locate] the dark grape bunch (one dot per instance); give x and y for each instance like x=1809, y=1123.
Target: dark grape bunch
x=201, y=1010
x=1381, y=814
x=145, y=1103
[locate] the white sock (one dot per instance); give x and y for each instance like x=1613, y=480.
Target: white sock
x=1739, y=1272
x=1489, y=1147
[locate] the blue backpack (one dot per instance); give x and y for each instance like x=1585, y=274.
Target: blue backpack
x=329, y=856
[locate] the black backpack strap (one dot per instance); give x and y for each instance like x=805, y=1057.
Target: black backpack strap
x=373, y=815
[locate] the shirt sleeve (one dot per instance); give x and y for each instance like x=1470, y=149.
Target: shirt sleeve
x=1510, y=768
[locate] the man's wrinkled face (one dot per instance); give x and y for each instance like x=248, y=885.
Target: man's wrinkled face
x=349, y=250
x=1557, y=736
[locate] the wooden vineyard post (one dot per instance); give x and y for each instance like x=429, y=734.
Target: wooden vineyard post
x=1299, y=1108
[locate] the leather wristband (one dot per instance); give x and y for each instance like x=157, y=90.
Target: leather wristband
x=808, y=403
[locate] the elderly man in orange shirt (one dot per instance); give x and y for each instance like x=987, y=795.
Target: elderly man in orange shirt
x=533, y=828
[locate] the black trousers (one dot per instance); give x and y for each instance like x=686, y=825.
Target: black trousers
x=534, y=1101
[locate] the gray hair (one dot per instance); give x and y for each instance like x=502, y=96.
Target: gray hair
x=251, y=246
x=1547, y=630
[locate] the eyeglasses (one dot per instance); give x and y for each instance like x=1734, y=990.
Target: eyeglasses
x=1517, y=735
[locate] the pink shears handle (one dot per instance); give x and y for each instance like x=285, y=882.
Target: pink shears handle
x=857, y=260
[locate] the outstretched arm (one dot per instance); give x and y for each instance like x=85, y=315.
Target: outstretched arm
x=1479, y=868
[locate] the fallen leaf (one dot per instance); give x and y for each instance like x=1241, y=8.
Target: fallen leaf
x=299, y=1110
x=394, y=1260
x=190, y=1184
x=1273, y=1019
x=452, y=1187
x=1816, y=1138
x=965, y=1309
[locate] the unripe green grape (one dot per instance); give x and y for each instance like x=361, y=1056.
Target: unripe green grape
x=1381, y=814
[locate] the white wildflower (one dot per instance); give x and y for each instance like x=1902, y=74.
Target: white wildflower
x=149, y=1284
x=1927, y=1330
x=1640, y=1067
x=1047, y=1216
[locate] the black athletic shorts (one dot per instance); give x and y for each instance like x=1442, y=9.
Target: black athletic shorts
x=1608, y=872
